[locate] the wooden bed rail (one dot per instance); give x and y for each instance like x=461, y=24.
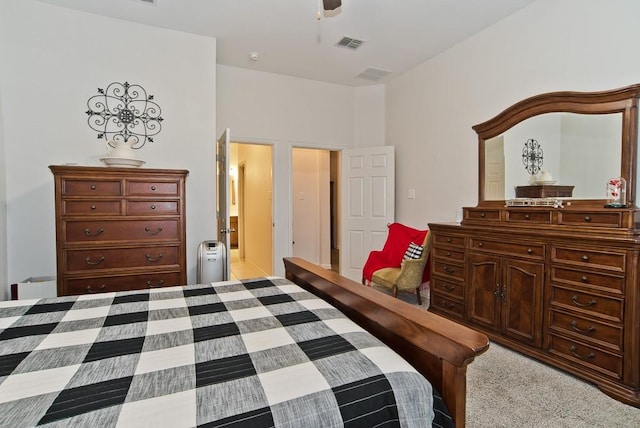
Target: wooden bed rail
x=438, y=348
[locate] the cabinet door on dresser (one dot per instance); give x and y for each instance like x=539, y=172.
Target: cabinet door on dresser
x=505, y=295
x=484, y=289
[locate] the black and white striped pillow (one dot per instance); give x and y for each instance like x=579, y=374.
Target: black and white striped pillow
x=413, y=252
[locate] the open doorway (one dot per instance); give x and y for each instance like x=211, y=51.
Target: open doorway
x=251, y=210
x=315, y=187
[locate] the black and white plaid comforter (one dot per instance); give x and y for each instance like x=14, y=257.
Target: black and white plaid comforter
x=258, y=354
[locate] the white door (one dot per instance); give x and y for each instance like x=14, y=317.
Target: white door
x=222, y=200
x=368, y=205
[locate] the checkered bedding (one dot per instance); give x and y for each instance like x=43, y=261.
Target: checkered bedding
x=257, y=353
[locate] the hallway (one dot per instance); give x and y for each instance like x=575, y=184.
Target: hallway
x=241, y=269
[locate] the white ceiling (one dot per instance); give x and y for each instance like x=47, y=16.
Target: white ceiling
x=398, y=34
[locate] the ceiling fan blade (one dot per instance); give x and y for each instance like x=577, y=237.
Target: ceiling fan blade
x=331, y=4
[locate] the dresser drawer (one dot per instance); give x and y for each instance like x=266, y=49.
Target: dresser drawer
x=71, y=187
x=447, y=254
x=442, y=303
x=590, y=357
x=448, y=240
x=598, y=333
x=535, y=251
x=614, y=261
x=125, y=230
x=606, y=307
x=119, y=283
x=528, y=216
x=482, y=214
x=91, y=207
x=446, y=287
x=592, y=219
x=605, y=282
x=152, y=188
x=112, y=258
x=451, y=270
x=152, y=208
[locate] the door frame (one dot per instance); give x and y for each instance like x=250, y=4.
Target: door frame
x=323, y=236
x=241, y=197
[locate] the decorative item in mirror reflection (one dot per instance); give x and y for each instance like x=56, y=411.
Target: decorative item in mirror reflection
x=124, y=113
x=532, y=156
x=616, y=193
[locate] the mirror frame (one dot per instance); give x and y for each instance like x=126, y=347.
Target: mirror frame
x=622, y=100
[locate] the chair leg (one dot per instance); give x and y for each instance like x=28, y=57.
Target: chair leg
x=419, y=296
x=395, y=292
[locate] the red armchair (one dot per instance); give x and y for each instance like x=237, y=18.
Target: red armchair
x=392, y=269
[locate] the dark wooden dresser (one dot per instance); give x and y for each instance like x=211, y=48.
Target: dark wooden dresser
x=547, y=290
x=119, y=228
x=557, y=279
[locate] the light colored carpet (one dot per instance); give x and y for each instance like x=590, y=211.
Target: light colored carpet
x=507, y=389
x=407, y=297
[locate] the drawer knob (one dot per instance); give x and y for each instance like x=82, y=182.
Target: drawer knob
x=482, y=215
x=153, y=188
x=150, y=258
x=158, y=284
x=96, y=233
x=448, y=269
x=496, y=293
x=94, y=262
x=589, y=356
x=91, y=290
x=153, y=207
x=590, y=303
x=93, y=187
x=585, y=258
x=480, y=244
x=448, y=239
x=529, y=250
x=584, y=279
x=448, y=287
x=93, y=207
x=527, y=216
x=153, y=232
x=574, y=325
x=447, y=305
x=448, y=253
x=587, y=218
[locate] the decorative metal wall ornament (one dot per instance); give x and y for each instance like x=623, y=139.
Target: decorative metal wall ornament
x=124, y=112
x=532, y=156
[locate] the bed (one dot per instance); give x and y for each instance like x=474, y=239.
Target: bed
x=261, y=352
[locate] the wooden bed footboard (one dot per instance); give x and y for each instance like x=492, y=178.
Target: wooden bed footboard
x=438, y=348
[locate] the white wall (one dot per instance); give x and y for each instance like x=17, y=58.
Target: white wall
x=53, y=60
x=551, y=45
x=370, y=116
x=289, y=112
x=4, y=292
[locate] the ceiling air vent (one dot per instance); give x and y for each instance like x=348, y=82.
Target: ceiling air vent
x=374, y=74
x=350, y=43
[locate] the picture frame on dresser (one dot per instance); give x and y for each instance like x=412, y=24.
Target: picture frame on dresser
x=119, y=228
x=556, y=281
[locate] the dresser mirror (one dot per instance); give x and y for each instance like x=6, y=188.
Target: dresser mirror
x=585, y=138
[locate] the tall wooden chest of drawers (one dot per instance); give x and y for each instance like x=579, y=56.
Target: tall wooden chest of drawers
x=119, y=228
